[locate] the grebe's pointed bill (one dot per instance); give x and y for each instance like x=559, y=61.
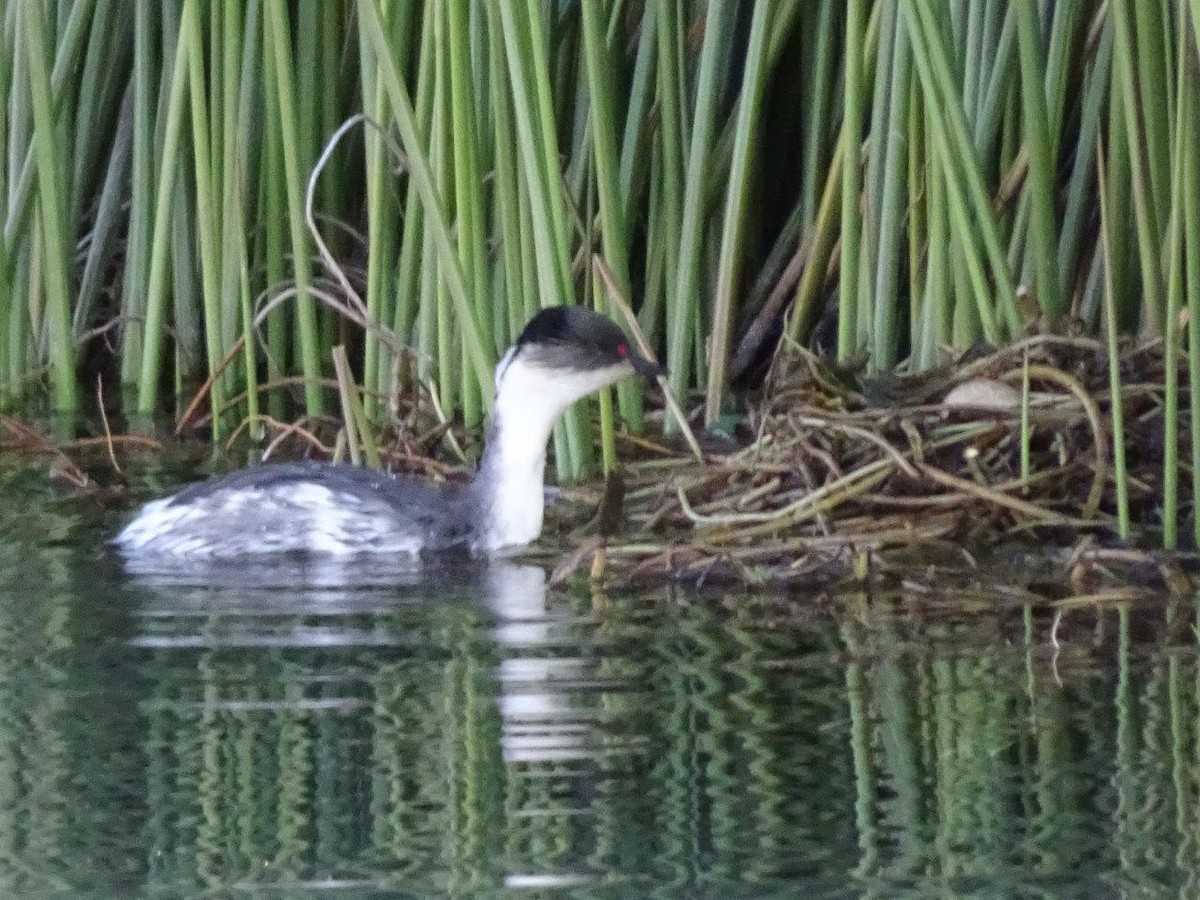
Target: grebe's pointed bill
x=645, y=367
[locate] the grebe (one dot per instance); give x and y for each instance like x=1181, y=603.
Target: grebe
x=312, y=508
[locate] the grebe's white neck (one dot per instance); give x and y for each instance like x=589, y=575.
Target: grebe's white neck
x=509, y=487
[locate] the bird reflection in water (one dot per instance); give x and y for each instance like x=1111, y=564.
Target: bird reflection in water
x=412, y=739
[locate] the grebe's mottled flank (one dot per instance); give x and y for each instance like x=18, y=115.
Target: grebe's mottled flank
x=563, y=354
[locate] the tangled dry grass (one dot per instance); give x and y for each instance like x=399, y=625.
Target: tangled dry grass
x=839, y=475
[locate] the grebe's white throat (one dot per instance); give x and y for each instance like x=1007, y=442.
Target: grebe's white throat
x=564, y=354
x=509, y=487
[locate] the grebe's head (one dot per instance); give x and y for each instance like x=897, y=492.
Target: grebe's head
x=565, y=353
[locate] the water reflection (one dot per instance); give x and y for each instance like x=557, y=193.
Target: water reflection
x=374, y=733
x=477, y=722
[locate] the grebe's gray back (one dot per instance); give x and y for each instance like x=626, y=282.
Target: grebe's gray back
x=563, y=354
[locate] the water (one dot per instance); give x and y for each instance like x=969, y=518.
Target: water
x=386, y=734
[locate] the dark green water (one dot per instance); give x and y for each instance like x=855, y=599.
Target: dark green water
x=381, y=734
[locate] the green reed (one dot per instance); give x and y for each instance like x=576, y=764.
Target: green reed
x=918, y=175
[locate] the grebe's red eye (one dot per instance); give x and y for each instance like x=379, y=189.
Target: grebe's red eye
x=622, y=350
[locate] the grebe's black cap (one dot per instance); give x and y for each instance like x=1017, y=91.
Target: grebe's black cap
x=575, y=337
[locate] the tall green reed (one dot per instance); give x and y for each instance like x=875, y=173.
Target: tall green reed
x=902, y=172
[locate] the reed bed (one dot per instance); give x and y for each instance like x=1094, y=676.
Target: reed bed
x=992, y=473
x=265, y=221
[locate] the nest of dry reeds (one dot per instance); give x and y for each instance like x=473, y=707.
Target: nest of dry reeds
x=839, y=473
